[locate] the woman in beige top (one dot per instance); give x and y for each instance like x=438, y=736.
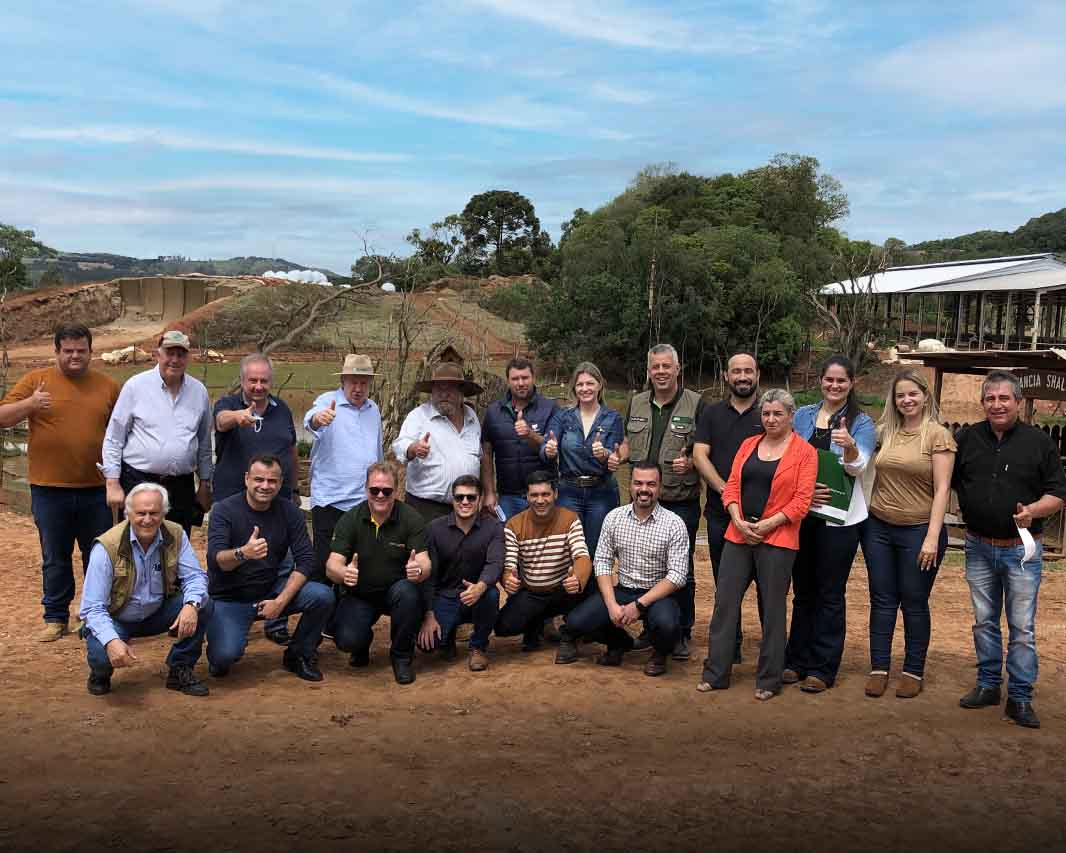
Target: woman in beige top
x=904, y=539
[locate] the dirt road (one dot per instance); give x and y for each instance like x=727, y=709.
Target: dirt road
x=525, y=757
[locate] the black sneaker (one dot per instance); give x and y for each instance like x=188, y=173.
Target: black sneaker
x=182, y=678
x=1021, y=713
x=980, y=697
x=98, y=685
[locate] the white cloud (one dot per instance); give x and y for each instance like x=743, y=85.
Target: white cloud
x=166, y=138
x=620, y=94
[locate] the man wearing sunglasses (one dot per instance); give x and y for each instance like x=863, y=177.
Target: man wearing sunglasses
x=466, y=550
x=378, y=559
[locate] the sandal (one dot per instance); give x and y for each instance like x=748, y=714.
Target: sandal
x=763, y=695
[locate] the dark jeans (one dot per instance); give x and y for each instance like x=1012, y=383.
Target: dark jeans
x=323, y=520
x=183, y=653
x=771, y=569
x=896, y=580
x=284, y=570
x=227, y=635
x=819, y=584
x=591, y=505
x=662, y=621
x=181, y=490
x=451, y=613
x=686, y=596
x=525, y=611
x=356, y=614
x=64, y=516
x=716, y=528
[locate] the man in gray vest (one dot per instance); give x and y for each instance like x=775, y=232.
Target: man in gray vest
x=661, y=427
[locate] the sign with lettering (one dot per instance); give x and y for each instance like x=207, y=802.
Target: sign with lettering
x=1043, y=384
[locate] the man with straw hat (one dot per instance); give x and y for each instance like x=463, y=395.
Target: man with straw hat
x=346, y=427
x=439, y=441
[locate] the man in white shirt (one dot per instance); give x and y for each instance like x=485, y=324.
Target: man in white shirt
x=439, y=441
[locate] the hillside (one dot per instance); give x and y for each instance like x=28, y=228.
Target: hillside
x=1046, y=233
x=77, y=267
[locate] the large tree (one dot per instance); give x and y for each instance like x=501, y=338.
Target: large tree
x=502, y=232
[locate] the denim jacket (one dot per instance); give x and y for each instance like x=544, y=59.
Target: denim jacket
x=865, y=434
x=575, y=449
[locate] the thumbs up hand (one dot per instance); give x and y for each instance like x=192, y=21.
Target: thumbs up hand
x=255, y=548
x=551, y=446
x=521, y=427
x=326, y=416
x=414, y=569
x=420, y=448
x=614, y=460
x=246, y=417
x=351, y=572
x=598, y=450
x=41, y=398
x=1022, y=516
x=683, y=463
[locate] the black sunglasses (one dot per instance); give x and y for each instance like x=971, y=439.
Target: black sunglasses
x=463, y=499
x=378, y=491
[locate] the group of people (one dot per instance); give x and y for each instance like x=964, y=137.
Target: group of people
x=525, y=500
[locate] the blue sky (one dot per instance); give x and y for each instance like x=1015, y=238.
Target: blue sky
x=212, y=128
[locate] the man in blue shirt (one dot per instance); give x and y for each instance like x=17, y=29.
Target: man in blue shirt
x=512, y=431
x=247, y=539
x=346, y=426
x=143, y=579
x=249, y=423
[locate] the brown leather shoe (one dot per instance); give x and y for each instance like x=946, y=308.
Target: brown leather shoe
x=813, y=684
x=51, y=632
x=479, y=661
x=789, y=676
x=876, y=684
x=908, y=687
x=656, y=665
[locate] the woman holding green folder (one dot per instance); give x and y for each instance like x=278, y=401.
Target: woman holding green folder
x=827, y=548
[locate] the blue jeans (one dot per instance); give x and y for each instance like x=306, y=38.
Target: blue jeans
x=997, y=576
x=591, y=505
x=663, y=621
x=897, y=581
x=227, y=635
x=689, y=512
x=353, y=625
x=284, y=570
x=183, y=653
x=64, y=516
x=451, y=613
x=512, y=504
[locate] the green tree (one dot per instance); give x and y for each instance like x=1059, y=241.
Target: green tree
x=23, y=243
x=12, y=272
x=502, y=232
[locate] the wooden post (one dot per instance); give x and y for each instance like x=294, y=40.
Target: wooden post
x=938, y=384
x=958, y=317
x=1006, y=324
x=981, y=320
x=939, y=313
x=1036, y=321
x=903, y=317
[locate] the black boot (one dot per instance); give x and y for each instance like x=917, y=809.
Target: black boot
x=182, y=678
x=1021, y=713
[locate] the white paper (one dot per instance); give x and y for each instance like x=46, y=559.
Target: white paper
x=500, y=514
x=1028, y=544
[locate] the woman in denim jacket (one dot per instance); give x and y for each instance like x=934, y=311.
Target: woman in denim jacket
x=827, y=550
x=582, y=439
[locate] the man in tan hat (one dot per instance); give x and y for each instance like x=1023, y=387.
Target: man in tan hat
x=439, y=441
x=160, y=432
x=346, y=426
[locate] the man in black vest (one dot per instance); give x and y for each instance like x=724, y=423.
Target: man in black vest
x=661, y=427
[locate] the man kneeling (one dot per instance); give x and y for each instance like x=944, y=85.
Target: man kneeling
x=651, y=546
x=378, y=557
x=466, y=550
x=247, y=540
x=143, y=579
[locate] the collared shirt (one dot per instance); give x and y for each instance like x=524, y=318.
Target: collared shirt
x=459, y=556
x=452, y=452
x=343, y=450
x=383, y=550
x=991, y=477
x=724, y=429
x=146, y=597
x=575, y=448
x=235, y=447
x=647, y=551
x=154, y=431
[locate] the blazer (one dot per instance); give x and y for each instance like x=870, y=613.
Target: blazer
x=790, y=492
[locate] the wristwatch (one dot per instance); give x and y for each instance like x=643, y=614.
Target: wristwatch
x=238, y=555
x=641, y=608
x=195, y=605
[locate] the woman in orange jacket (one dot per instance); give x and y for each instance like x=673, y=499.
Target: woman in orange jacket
x=767, y=496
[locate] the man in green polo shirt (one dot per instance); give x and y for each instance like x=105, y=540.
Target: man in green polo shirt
x=378, y=558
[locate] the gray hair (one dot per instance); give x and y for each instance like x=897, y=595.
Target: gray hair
x=778, y=395
x=663, y=349
x=141, y=488
x=1002, y=377
x=256, y=358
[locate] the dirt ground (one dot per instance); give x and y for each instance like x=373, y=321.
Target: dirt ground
x=525, y=757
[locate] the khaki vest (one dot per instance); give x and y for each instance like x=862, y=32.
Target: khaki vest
x=116, y=542
x=677, y=436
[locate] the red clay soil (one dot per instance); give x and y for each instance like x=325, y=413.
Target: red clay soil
x=525, y=757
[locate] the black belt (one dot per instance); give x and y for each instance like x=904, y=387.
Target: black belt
x=585, y=481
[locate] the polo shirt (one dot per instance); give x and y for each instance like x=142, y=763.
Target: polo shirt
x=457, y=556
x=724, y=429
x=234, y=448
x=383, y=551
x=991, y=477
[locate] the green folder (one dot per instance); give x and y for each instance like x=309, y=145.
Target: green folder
x=831, y=473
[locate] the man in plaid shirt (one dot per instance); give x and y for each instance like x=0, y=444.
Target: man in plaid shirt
x=651, y=546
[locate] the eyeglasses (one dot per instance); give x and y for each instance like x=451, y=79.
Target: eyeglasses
x=381, y=491
x=465, y=499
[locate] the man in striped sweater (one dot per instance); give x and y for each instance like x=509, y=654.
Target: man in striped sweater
x=546, y=564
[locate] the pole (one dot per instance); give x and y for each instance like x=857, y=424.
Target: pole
x=1036, y=321
x=1006, y=324
x=981, y=321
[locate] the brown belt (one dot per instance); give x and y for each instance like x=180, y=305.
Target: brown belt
x=1001, y=543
